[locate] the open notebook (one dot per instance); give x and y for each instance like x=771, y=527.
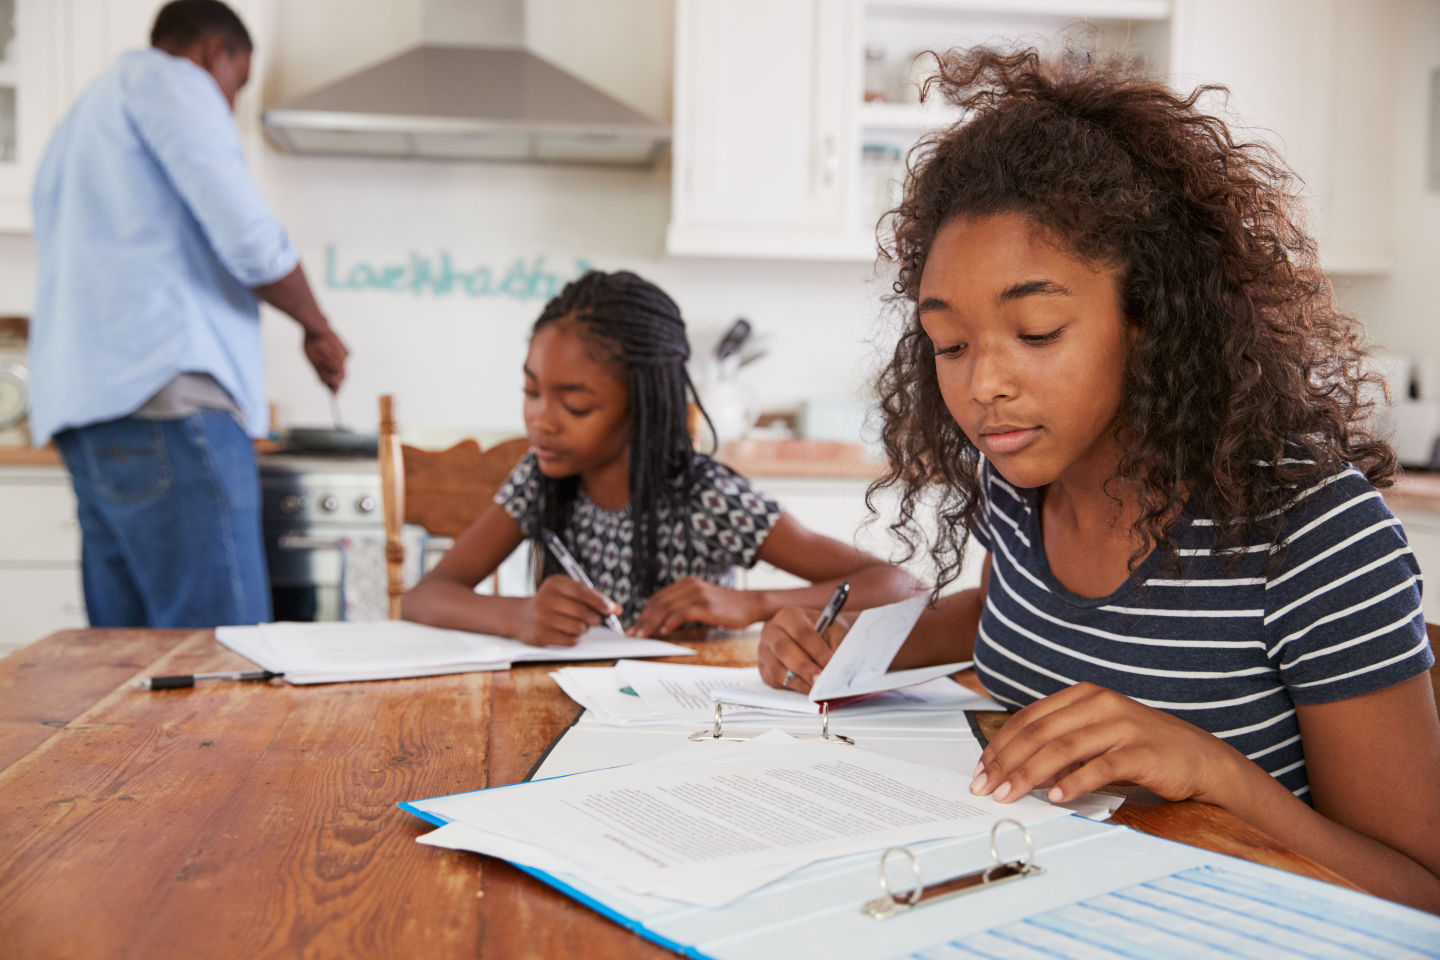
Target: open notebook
x=336, y=652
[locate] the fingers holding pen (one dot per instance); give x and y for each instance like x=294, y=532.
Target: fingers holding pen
x=791, y=653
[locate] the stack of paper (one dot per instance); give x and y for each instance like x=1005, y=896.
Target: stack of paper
x=634, y=692
x=713, y=821
x=333, y=652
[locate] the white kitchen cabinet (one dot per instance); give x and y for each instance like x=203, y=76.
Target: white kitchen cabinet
x=32, y=73
x=56, y=48
x=836, y=508
x=40, y=589
x=775, y=147
x=1312, y=78
x=764, y=150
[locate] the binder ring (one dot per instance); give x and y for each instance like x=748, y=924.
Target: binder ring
x=913, y=897
x=1000, y=871
x=717, y=730
x=1021, y=865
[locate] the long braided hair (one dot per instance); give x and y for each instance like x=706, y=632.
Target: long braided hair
x=635, y=325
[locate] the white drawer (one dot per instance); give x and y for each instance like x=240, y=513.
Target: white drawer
x=37, y=601
x=37, y=517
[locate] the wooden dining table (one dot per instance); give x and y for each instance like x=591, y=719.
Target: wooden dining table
x=259, y=819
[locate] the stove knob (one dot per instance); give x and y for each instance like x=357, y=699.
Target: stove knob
x=328, y=503
x=291, y=504
x=365, y=504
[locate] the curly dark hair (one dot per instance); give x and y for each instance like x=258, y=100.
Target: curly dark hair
x=1242, y=366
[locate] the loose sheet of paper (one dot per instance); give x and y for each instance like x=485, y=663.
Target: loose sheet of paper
x=715, y=820
x=639, y=692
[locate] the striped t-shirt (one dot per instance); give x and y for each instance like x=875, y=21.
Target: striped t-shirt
x=1228, y=650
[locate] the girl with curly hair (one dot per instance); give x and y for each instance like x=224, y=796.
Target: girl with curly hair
x=1122, y=371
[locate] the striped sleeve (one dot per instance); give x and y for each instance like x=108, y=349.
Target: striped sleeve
x=1342, y=611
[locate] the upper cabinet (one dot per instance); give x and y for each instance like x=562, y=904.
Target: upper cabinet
x=31, y=84
x=792, y=120
x=765, y=151
x=50, y=50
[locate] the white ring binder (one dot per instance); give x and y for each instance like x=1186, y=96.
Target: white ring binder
x=1001, y=871
x=717, y=730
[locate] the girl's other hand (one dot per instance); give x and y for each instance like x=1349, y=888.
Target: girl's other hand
x=789, y=644
x=692, y=600
x=561, y=610
x=1086, y=736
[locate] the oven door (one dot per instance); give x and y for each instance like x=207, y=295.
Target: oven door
x=306, y=575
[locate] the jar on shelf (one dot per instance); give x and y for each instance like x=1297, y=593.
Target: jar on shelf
x=875, y=73
x=883, y=180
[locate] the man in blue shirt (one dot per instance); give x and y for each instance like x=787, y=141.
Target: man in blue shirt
x=154, y=244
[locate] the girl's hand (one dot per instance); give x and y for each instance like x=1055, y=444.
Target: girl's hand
x=1086, y=736
x=789, y=644
x=560, y=611
x=692, y=600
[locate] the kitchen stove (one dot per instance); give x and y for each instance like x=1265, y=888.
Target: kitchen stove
x=309, y=505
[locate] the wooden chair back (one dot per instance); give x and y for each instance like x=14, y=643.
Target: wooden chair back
x=443, y=491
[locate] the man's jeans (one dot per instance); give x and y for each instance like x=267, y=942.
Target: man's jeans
x=170, y=518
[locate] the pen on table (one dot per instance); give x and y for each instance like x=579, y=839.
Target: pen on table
x=577, y=572
x=188, y=679
x=832, y=609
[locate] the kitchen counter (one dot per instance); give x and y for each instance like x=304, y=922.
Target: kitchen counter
x=800, y=458
x=1413, y=490
x=46, y=456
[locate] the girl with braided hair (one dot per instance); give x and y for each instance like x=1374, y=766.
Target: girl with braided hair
x=658, y=527
x=1122, y=371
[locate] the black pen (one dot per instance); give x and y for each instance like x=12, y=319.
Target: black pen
x=188, y=679
x=832, y=609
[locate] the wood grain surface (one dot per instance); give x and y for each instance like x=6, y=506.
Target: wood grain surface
x=259, y=819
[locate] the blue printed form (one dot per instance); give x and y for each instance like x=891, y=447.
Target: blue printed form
x=1208, y=911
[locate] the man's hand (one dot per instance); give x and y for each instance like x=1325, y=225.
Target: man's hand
x=326, y=353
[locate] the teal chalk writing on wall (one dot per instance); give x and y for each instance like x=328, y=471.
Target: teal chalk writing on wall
x=439, y=276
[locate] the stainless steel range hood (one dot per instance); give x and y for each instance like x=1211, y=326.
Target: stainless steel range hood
x=467, y=103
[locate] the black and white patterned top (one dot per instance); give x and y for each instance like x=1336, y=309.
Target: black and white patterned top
x=722, y=527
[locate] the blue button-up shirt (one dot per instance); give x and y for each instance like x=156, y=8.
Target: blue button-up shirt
x=150, y=234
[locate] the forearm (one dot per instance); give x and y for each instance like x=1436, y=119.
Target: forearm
x=449, y=604
x=945, y=633
x=1259, y=799
x=292, y=296
x=870, y=586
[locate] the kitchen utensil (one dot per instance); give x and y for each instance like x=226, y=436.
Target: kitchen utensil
x=335, y=412
x=733, y=339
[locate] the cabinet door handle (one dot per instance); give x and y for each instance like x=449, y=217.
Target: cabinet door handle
x=831, y=163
